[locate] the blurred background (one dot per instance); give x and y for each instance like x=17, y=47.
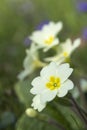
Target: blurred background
x=18, y=18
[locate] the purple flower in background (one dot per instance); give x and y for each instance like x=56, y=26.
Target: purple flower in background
x=82, y=6
x=84, y=33
x=27, y=41
x=39, y=27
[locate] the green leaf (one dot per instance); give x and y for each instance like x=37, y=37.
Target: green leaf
x=26, y=123
x=22, y=90
x=71, y=117
x=54, y=111
x=79, y=60
x=63, y=102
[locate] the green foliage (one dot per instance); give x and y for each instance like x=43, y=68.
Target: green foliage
x=64, y=116
x=22, y=90
x=79, y=59
x=28, y=123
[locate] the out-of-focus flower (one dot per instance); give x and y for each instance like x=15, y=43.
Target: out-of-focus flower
x=53, y=80
x=84, y=33
x=83, y=84
x=31, y=62
x=66, y=50
x=82, y=6
x=68, y=47
x=27, y=41
x=31, y=112
x=75, y=92
x=46, y=37
x=40, y=26
x=37, y=104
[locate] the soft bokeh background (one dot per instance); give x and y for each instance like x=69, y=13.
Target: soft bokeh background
x=18, y=18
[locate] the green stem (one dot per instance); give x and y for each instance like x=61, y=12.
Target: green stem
x=78, y=111
x=50, y=121
x=57, y=114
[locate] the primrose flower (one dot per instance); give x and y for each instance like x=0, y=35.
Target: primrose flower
x=68, y=47
x=66, y=50
x=31, y=62
x=46, y=37
x=37, y=104
x=53, y=80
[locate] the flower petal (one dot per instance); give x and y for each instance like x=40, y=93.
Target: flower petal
x=24, y=74
x=76, y=43
x=53, y=28
x=49, y=70
x=48, y=95
x=38, y=85
x=37, y=103
x=68, y=85
x=63, y=72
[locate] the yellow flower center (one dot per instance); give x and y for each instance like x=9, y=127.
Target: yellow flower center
x=49, y=40
x=54, y=83
x=65, y=54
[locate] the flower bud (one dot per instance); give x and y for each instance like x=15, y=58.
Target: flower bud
x=31, y=112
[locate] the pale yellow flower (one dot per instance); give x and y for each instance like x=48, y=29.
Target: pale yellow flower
x=46, y=37
x=31, y=62
x=66, y=50
x=53, y=80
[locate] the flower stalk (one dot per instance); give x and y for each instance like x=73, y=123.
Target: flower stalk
x=78, y=110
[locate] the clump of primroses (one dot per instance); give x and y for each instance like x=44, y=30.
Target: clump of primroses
x=53, y=79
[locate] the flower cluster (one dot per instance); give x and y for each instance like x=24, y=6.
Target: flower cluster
x=53, y=80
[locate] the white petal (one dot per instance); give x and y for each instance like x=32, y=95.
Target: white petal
x=64, y=72
x=37, y=37
x=63, y=90
x=48, y=95
x=76, y=43
x=49, y=70
x=37, y=103
x=67, y=45
x=59, y=26
x=53, y=28
x=58, y=58
x=24, y=74
x=38, y=85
